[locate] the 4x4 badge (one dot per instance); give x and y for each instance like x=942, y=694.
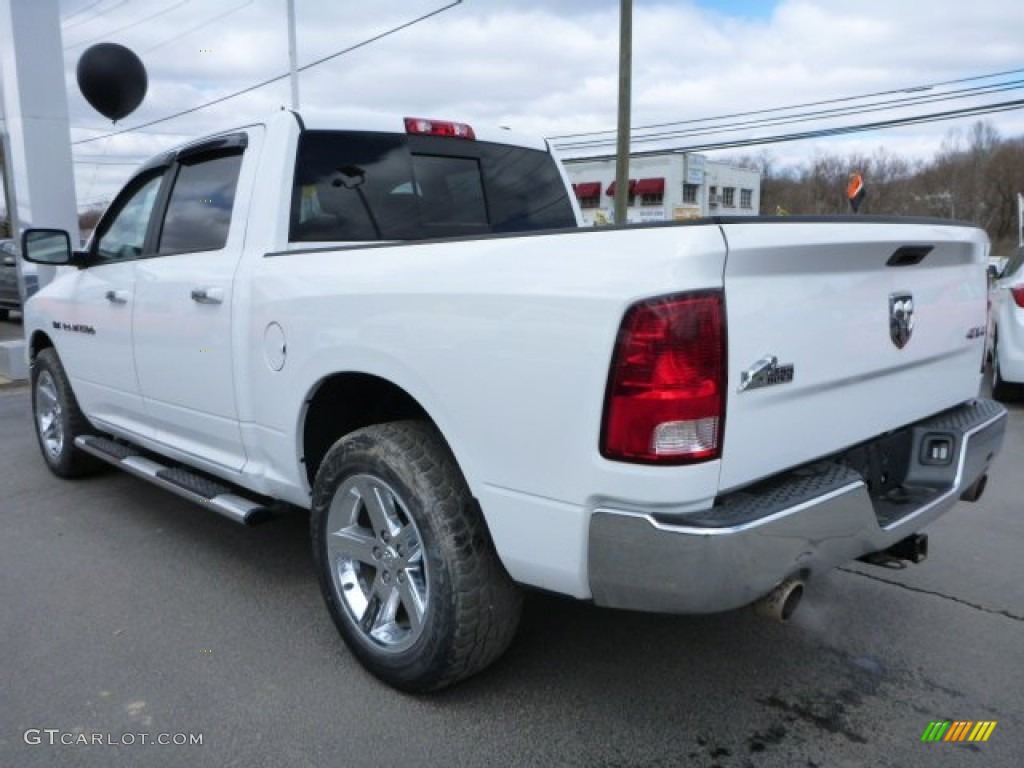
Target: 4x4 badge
x=901, y=318
x=766, y=372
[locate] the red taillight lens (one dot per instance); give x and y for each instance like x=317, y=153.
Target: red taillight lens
x=666, y=392
x=1018, y=295
x=419, y=125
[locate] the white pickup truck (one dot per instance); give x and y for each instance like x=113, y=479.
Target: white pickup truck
x=401, y=327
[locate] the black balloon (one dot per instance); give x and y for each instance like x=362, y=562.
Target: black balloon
x=112, y=79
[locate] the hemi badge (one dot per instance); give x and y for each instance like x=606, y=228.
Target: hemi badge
x=766, y=372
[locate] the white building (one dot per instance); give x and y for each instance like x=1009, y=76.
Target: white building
x=665, y=186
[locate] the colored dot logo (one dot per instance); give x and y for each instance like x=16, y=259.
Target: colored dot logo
x=206, y=650
x=206, y=50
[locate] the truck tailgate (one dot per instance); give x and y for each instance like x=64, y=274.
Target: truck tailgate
x=881, y=321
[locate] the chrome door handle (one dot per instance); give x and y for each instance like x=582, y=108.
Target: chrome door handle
x=117, y=297
x=208, y=295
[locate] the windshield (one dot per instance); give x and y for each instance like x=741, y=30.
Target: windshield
x=361, y=186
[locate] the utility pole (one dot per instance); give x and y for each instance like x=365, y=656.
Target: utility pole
x=625, y=88
x=293, y=67
x=1020, y=220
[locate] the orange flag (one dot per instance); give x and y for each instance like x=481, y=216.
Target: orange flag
x=855, y=191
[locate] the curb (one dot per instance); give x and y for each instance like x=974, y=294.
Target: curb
x=8, y=384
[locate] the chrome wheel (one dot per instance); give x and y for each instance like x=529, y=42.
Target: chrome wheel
x=376, y=562
x=49, y=415
x=404, y=559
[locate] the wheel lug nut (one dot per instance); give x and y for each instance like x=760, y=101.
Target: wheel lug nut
x=386, y=576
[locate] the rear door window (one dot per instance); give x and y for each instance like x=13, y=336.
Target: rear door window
x=362, y=186
x=199, y=210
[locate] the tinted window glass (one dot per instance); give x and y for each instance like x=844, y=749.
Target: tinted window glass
x=124, y=236
x=355, y=186
x=199, y=209
x=450, y=190
x=379, y=186
x=524, y=190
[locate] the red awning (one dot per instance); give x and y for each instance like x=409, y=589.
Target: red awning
x=632, y=188
x=588, y=189
x=650, y=187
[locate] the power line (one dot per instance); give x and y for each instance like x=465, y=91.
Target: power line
x=860, y=109
x=81, y=10
x=101, y=12
x=106, y=162
x=934, y=117
x=139, y=158
x=127, y=26
x=206, y=23
x=190, y=134
x=909, y=89
x=94, y=203
x=303, y=68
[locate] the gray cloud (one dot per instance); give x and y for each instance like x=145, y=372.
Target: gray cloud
x=546, y=67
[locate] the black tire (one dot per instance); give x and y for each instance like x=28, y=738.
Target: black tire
x=456, y=610
x=1003, y=391
x=57, y=427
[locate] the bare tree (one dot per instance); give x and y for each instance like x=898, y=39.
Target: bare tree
x=88, y=219
x=974, y=176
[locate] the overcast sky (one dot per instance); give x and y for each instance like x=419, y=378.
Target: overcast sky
x=548, y=68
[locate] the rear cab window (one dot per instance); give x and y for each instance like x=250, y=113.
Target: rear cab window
x=365, y=186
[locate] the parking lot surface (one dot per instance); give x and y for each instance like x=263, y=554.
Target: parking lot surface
x=129, y=611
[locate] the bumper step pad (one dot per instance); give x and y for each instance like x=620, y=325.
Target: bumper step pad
x=774, y=496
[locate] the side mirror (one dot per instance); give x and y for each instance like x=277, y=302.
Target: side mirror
x=46, y=246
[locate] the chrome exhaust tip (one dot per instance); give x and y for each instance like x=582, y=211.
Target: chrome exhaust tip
x=781, y=603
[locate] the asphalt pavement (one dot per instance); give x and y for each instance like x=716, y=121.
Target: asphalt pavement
x=127, y=611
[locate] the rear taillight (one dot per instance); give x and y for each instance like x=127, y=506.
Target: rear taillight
x=666, y=391
x=1018, y=295
x=420, y=126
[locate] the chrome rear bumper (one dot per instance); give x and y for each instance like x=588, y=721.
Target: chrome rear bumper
x=801, y=523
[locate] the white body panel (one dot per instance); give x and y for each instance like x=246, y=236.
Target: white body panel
x=184, y=354
x=184, y=348
x=506, y=343
x=816, y=296
x=101, y=365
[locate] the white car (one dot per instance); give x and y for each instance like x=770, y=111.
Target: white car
x=1007, y=368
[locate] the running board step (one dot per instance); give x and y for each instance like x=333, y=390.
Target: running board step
x=183, y=482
